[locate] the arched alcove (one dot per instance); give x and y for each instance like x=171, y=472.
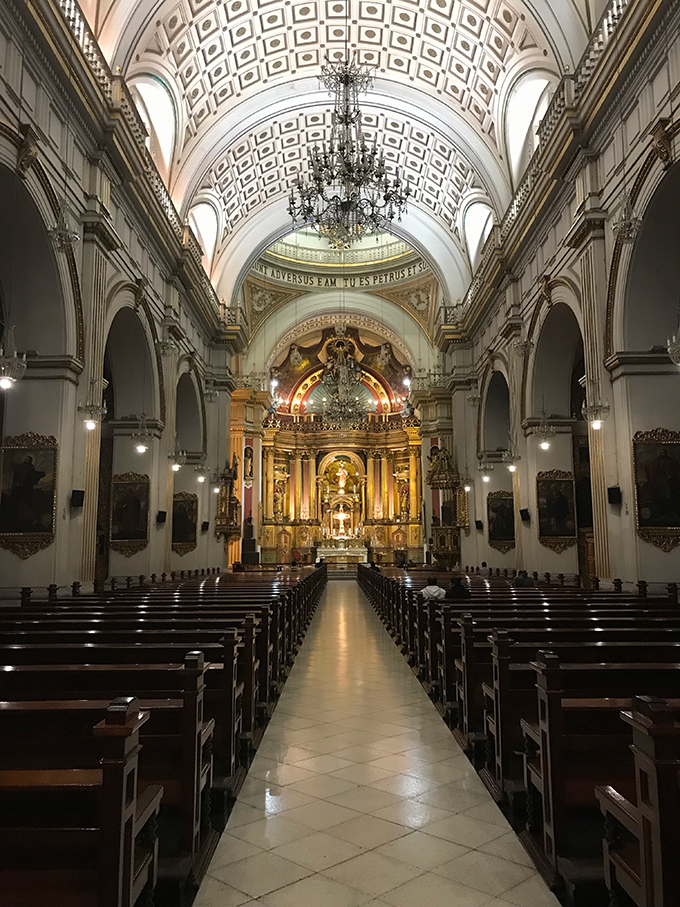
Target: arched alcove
x=188, y=416
x=132, y=370
x=32, y=298
x=497, y=414
x=652, y=295
x=559, y=347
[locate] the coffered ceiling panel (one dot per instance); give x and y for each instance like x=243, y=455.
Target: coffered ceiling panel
x=457, y=50
x=265, y=164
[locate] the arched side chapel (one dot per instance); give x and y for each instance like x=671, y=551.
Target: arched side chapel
x=501, y=304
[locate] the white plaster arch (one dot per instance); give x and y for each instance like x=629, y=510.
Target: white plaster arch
x=137, y=367
x=349, y=305
x=57, y=329
x=445, y=258
x=328, y=319
x=189, y=421
x=646, y=310
x=305, y=96
x=557, y=335
x=496, y=415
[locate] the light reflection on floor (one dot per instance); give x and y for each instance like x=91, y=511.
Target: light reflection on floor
x=359, y=795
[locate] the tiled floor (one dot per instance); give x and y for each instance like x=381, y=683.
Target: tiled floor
x=359, y=795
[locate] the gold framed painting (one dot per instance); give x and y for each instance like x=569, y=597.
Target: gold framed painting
x=500, y=517
x=184, y=522
x=129, y=527
x=656, y=467
x=28, y=468
x=555, y=500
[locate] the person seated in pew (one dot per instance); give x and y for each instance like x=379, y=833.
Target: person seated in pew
x=485, y=570
x=457, y=591
x=373, y=566
x=523, y=580
x=433, y=589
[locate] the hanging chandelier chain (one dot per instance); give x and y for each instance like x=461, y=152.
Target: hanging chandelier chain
x=349, y=193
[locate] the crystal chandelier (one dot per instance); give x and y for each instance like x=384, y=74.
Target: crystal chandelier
x=544, y=432
x=349, y=194
x=344, y=404
x=142, y=437
x=12, y=366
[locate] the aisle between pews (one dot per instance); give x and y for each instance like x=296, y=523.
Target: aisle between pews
x=359, y=795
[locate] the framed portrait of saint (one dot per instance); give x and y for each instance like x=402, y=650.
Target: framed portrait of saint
x=184, y=522
x=656, y=464
x=129, y=532
x=28, y=472
x=556, y=509
x=500, y=520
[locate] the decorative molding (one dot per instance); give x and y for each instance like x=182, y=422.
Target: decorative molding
x=27, y=149
x=554, y=474
x=662, y=143
x=25, y=545
x=557, y=545
x=127, y=549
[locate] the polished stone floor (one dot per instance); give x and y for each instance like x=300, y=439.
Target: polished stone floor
x=359, y=795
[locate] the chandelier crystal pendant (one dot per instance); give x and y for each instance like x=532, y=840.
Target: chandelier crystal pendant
x=344, y=402
x=349, y=194
x=142, y=437
x=544, y=432
x=12, y=365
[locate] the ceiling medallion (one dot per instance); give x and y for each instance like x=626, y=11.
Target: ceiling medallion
x=349, y=194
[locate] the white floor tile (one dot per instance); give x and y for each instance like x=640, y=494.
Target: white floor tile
x=359, y=796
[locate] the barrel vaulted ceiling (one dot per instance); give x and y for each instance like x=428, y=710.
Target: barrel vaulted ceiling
x=243, y=79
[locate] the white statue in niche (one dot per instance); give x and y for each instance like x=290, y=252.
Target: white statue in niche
x=342, y=477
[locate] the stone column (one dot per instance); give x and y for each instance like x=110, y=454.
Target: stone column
x=587, y=235
x=370, y=485
x=269, y=483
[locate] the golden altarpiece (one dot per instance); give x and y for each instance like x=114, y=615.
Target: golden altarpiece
x=341, y=455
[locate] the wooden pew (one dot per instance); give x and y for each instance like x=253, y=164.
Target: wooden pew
x=223, y=694
x=177, y=740
x=511, y=696
x=577, y=744
x=81, y=836
x=642, y=832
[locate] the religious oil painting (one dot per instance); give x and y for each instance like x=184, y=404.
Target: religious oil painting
x=656, y=462
x=28, y=493
x=129, y=512
x=501, y=520
x=556, y=509
x=184, y=522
